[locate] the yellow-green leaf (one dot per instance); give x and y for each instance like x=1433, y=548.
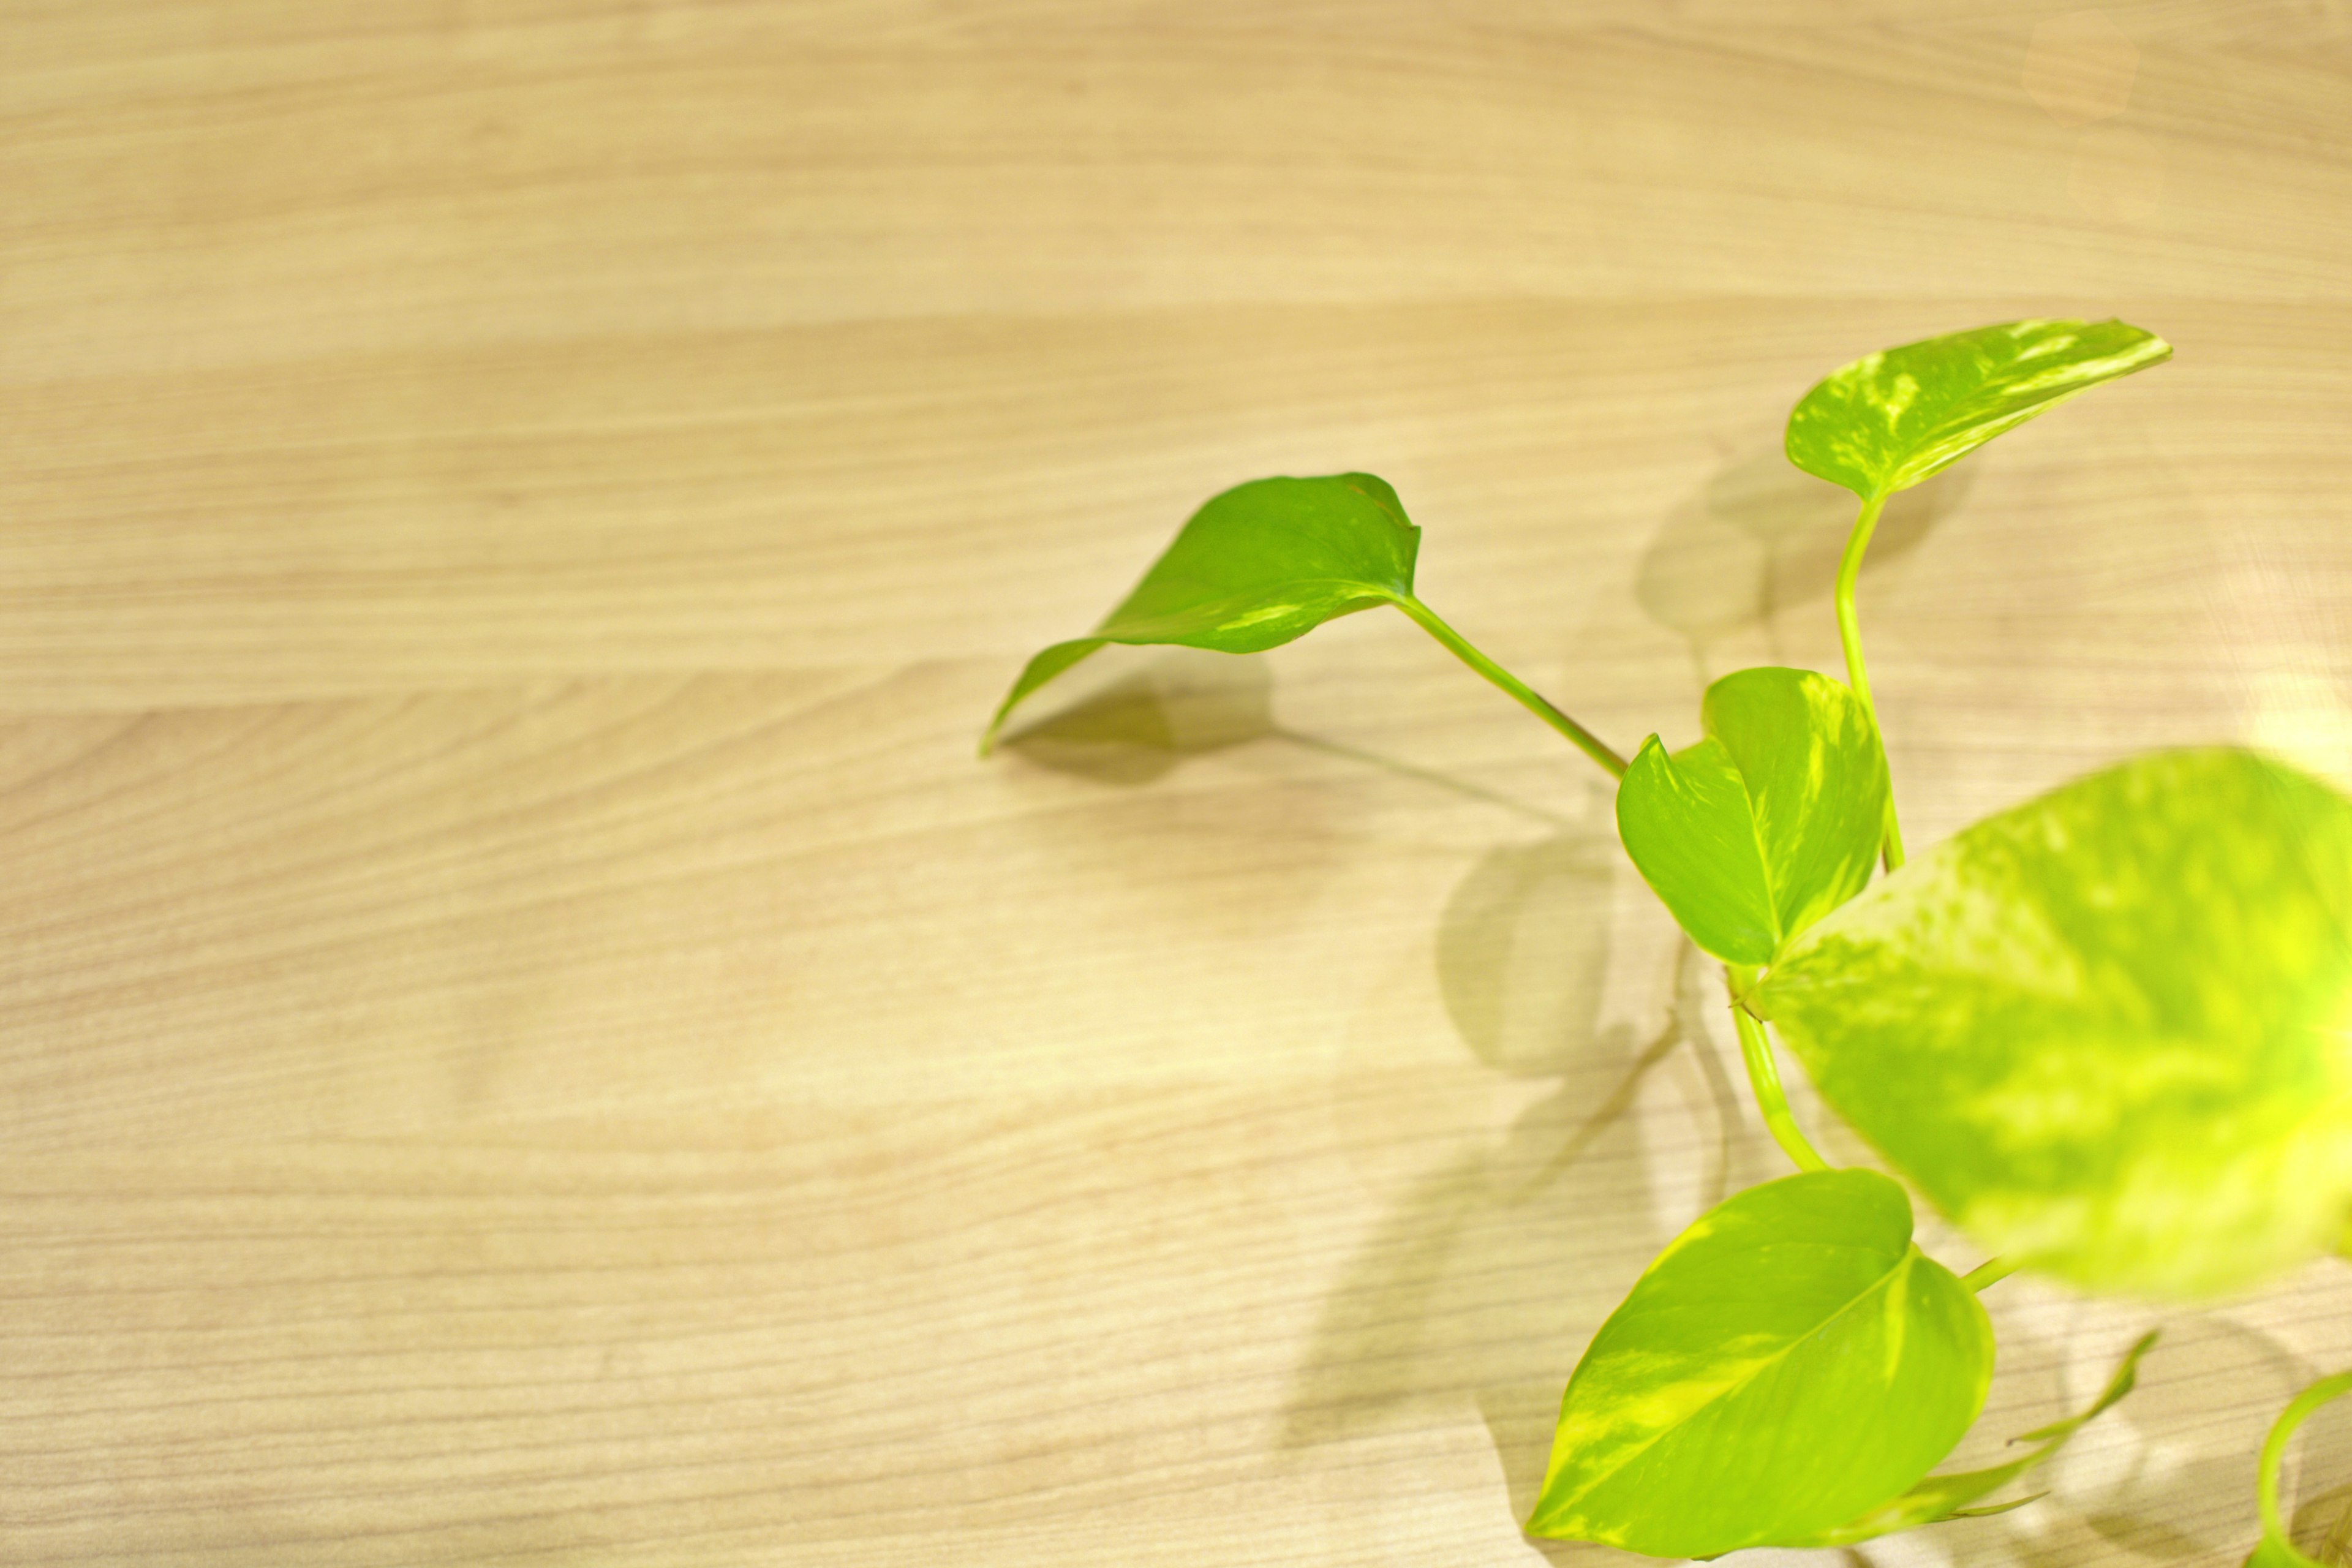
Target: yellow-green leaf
x=1891, y=419
x=1772, y=820
x=1937, y=1498
x=1686, y=823
x=1791, y=1361
x=2106, y=1031
x=1258, y=566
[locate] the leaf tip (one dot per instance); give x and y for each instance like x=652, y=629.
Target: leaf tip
x=988, y=737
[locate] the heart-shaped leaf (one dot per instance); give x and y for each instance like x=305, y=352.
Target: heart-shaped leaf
x=1258, y=566
x=1890, y=419
x=1772, y=820
x=1688, y=824
x=1791, y=1361
x=2106, y=1031
x=1937, y=1498
x=2276, y=1549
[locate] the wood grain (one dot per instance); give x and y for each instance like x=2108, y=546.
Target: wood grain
x=526, y=1036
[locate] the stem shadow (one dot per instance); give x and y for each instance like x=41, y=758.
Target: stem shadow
x=1188, y=702
x=1761, y=536
x=1479, y=1288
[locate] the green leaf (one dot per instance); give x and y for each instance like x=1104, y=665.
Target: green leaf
x=1686, y=822
x=2106, y=1031
x=1940, y=1497
x=1891, y=419
x=1772, y=820
x=1790, y=1362
x=1816, y=776
x=2276, y=1550
x=1258, y=566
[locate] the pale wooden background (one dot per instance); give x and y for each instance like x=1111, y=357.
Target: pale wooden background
x=526, y=1034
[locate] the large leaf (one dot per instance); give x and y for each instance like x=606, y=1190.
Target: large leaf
x=1769, y=823
x=2276, y=1549
x=1791, y=1361
x=1937, y=1498
x=1259, y=566
x=2105, y=1030
x=1890, y=419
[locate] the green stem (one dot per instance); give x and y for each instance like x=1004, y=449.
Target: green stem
x=2274, y=1451
x=1581, y=738
x=1857, y=674
x=1764, y=1078
x=1991, y=1271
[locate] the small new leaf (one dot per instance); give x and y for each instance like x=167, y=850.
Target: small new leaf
x=2106, y=1030
x=1937, y=1498
x=1791, y=1361
x=1891, y=419
x=1772, y=820
x=1258, y=566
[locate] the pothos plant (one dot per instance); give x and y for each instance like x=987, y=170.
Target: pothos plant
x=2105, y=1032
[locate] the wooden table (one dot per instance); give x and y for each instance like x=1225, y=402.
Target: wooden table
x=526, y=1034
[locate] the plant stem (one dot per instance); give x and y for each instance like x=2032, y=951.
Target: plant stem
x=2266, y=1477
x=1581, y=738
x=1991, y=1271
x=1764, y=1078
x=1857, y=674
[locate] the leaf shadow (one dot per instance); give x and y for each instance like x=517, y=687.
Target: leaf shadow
x=1523, y=953
x=1182, y=703
x=2326, y=1519
x=1479, y=1288
x=2187, y=1489
x=1482, y=1275
x=2319, y=1500
x=1185, y=702
x=1762, y=535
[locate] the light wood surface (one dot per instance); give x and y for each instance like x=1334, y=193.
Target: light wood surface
x=526, y=1034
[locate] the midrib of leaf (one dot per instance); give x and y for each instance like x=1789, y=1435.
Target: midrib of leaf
x=1764, y=861
x=1371, y=590
x=1901, y=1265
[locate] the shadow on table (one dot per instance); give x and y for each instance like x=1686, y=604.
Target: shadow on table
x=2169, y=1476
x=1488, y=1275
x=1759, y=537
x=1491, y=1273
x=1182, y=702
x=1762, y=536
x=1189, y=703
